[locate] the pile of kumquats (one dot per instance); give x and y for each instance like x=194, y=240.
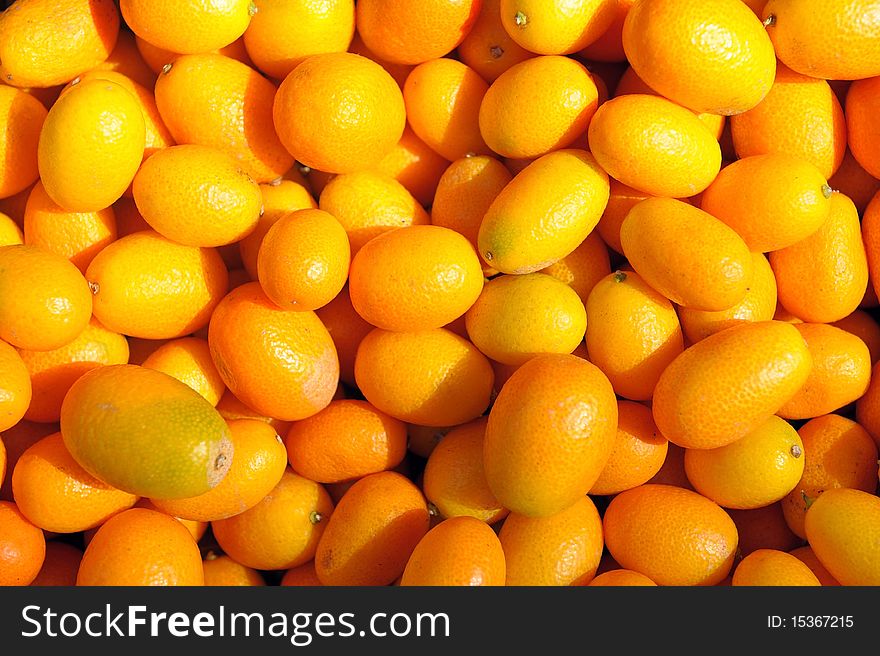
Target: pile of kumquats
x=439, y=292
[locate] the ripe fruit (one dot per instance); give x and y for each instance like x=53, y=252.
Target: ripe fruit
x=842, y=529
x=632, y=354
x=833, y=40
x=808, y=557
x=838, y=452
x=556, y=27
x=558, y=410
x=756, y=470
x=725, y=386
x=763, y=528
x=55, y=493
x=145, y=285
x=314, y=117
x=457, y=551
x=840, y=374
x=281, y=35
x=23, y=117
x=282, y=364
x=621, y=577
x=10, y=233
x=368, y=203
x=709, y=56
x=654, y=145
x=585, y=266
x=414, y=31
x=554, y=96
x=373, y=532
x=50, y=42
x=430, y=377
x=91, y=145
x=258, y=464
x=346, y=440
x=282, y=530
x=713, y=265
x=22, y=547
x=454, y=478
x=224, y=571
x=766, y=567
x=60, y=566
x=44, y=299
x=347, y=329
x=188, y=359
x=488, y=48
x=442, y=98
x=187, y=28
x=415, y=278
x=560, y=549
x=671, y=535
x=861, y=107
x=415, y=165
x=140, y=547
x=516, y=318
x=303, y=260
x=545, y=212
x=638, y=453
x=145, y=432
x=15, y=389
x=798, y=197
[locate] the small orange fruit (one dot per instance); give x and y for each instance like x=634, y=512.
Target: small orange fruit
x=454, y=479
x=415, y=278
x=372, y=532
x=833, y=39
x=459, y=551
x=17, y=440
x=766, y=567
x=799, y=116
x=282, y=364
x=556, y=27
x=145, y=285
x=22, y=547
x=23, y=117
x=554, y=95
x=783, y=186
x=60, y=566
x=347, y=328
x=189, y=28
x=301, y=575
x=224, y=571
x=609, y=46
x=710, y=57
x=50, y=42
x=621, y=200
x=415, y=165
x=44, y=299
x=368, y=203
x=840, y=374
x=558, y=410
x=126, y=60
x=584, y=267
x=303, y=260
x=488, y=48
x=339, y=112
x=414, y=31
x=188, y=359
x=91, y=145
x=638, y=453
x=53, y=372
x=838, y=452
x=258, y=463
x=654, y=145
x=516, y=318
x=756, y=470
x=621, y=577
x=55, y=493
x=16, y=390
x=763, y=528
x=140, y=547
x=862, y=325
x=346, y=440
x=759, y=304
x=145, y=433
x=853, y=181
x=282, y=530
x=561, y=549
x=808, y=557
x=197, y=196
x=842, y=528
x=10, y=233
x=725, y=386
x=632, y=354
x=430, y=377
x=713, y=267
x=281, y=35
x=545, y=212
x=671, y=535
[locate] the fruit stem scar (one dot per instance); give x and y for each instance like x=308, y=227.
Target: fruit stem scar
x=94, y=288
x=619, y=276
x=808, y=501
x=796, y=451
x=167, y=68
x=770, y=21
x=489, y=256
x=252, y=9
x=220, y=461
x=315, y=517
x=496, y=52
x=433, y=510
x=520, y=19
x=827, y=190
